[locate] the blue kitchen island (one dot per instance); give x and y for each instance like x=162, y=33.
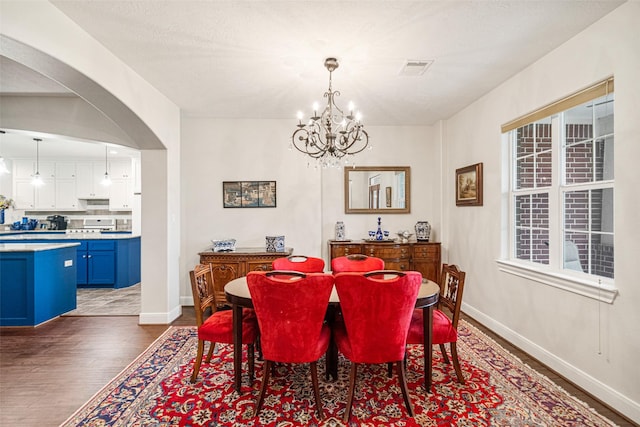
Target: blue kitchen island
x=37, y=282
x=104, y=260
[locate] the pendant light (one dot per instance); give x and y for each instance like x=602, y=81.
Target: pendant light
x=106, y=181
x=37, y=179
x=4, y=170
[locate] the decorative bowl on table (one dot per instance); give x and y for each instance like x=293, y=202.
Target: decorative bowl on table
x=404, y=235
x=225, y=245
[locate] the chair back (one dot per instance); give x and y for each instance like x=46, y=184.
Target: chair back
x=356, y=263
x=451, y=288
x=301, y=263
x=204, y=300
x=290, y=307
x=377, y=308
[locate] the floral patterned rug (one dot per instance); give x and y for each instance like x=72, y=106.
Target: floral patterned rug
x=499, y=390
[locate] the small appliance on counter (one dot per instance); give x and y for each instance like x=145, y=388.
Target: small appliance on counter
x=57, y=222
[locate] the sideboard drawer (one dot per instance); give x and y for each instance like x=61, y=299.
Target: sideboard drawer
x=388, y=251
x=345, y=249
x=426, y=251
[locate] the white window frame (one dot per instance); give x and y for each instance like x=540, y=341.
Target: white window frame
x=552, y=274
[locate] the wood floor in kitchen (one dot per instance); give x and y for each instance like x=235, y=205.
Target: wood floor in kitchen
x=48, y=372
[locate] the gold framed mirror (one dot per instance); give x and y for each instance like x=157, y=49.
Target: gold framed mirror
x=377, y=189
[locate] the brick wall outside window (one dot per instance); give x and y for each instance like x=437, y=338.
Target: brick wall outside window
x=532, y=211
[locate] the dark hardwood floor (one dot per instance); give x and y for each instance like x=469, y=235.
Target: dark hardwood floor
x=48, y=372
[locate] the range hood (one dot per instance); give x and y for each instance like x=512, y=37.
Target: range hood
x=94, y=204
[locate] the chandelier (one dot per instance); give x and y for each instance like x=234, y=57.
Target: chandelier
x=332, y=135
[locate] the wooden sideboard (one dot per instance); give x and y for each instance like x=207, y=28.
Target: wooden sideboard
x=231, y=265
x=415, y=256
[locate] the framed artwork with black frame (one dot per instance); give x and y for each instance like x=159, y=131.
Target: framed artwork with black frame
x=469, y=185
x=249, y=194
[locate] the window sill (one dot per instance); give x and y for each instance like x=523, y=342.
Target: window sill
x=604, y=292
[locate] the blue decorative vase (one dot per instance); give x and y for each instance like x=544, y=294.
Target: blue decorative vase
x=1, y=216
x=379, y=235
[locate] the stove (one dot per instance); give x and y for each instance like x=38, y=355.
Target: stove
x=95, y=225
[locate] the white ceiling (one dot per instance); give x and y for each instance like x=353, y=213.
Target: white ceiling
x=264, y=59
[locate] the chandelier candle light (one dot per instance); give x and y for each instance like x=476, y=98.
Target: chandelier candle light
x=332, y=135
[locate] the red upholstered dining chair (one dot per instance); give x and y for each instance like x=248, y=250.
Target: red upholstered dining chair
x=376, y=308
x=300, y=263
x=217, y=326
x=356, y=263
x=291, y=307
x=445, y=327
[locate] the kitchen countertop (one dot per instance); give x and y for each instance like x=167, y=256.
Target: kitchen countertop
x=21, y=235
x=34, y=247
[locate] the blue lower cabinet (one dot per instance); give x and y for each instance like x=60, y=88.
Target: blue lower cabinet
x=98, y=262
x=103, y=263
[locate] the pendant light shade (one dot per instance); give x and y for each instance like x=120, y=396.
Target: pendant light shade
x=37, y=179
x=106, y=181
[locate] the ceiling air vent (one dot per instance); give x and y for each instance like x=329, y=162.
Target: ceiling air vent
x=415, y=67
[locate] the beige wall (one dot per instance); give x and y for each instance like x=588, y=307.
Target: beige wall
x=594, y=344
x=309, y=200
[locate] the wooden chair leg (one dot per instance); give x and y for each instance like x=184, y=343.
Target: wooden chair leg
x=403, y=387
x=212, y=346
x=352, y=386
x=456, y=362
x=197, y=361
x=316, y=389
x=250, y=356
x=263, y=387
x=443, y=350
x=390, y=369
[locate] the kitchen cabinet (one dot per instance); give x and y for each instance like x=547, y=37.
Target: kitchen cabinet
x=65, y=186
x=37, y=282
x=231, y=265
x=66, y=195
x=89, y=177
x=26, y=195
x=96, y=263
x=121, y=191
x=100, y=262
x=414, y=256
x=121, y=195
x=120, y=169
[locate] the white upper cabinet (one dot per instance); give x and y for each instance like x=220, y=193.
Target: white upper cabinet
x=66, y=183
x=66, y=170
x=89, y=177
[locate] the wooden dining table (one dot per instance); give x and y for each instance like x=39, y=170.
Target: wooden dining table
x=237, y=293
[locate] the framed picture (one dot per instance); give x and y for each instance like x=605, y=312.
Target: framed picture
x=469, y=185
x=388, y=196
x=249, y=194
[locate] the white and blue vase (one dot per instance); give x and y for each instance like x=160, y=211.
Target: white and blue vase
x=423, y=231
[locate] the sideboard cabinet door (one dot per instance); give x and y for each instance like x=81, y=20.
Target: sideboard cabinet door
x=426, y=260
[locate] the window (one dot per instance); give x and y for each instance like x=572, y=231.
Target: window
x=562, y=186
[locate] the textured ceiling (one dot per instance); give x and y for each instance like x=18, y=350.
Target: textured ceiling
x=264, y=59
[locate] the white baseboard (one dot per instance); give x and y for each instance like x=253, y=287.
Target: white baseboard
x=186, y=300
x=160, y=318
x=602, y=391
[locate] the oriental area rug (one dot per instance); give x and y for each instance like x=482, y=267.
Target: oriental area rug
x=499, y=390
